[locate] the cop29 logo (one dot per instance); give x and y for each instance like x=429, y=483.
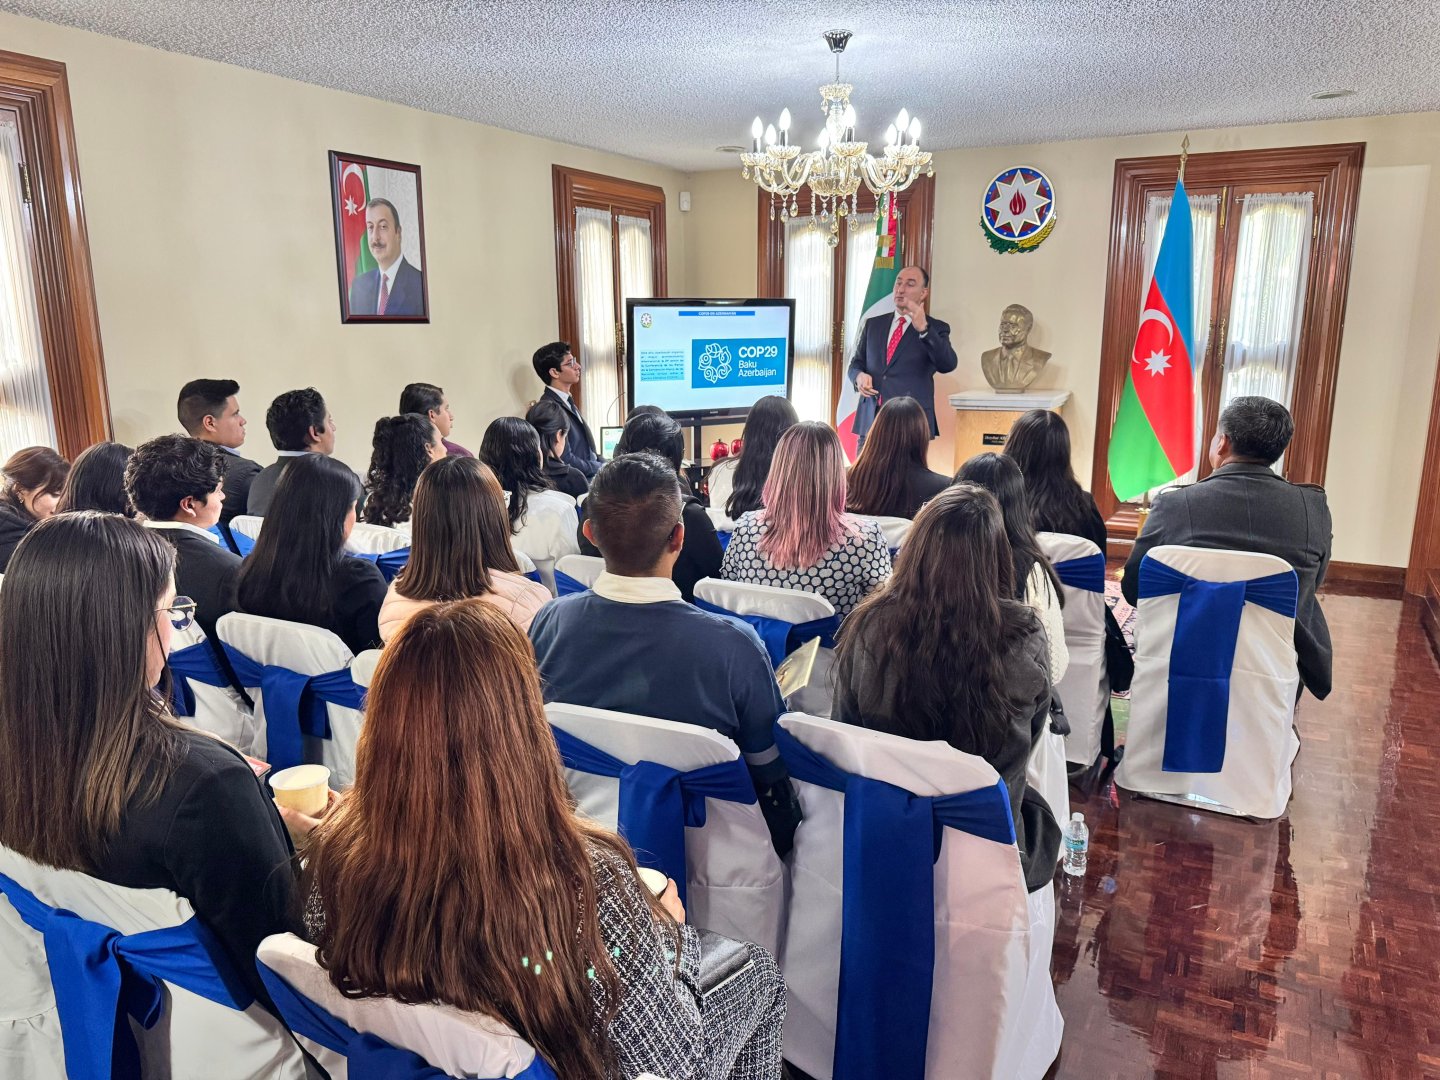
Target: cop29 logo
x=715, y=363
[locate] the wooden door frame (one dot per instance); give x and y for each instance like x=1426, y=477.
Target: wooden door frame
x=39, y=92
x=1424, y=558
x=1334, y=173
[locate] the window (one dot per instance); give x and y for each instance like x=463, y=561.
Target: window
x=609, y=247
x=828, y=284
x=1273, y=234
x=52, y=375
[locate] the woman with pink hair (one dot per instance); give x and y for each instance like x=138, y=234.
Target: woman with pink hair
x=802, y=538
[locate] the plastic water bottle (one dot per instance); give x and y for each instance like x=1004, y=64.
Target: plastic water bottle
x=1077, y=845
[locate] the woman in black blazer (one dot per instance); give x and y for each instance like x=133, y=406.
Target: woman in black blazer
x=891, y=478
x=299, y=570
x=32, y=481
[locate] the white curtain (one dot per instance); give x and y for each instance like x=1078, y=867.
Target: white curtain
x=25, y=412
x=859, y=260
x=809, y=281
x=595, y=295
x=1204, y=221
x=637, y=278
x=1267, y=304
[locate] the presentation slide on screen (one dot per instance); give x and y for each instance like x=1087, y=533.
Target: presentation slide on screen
x=699, y=357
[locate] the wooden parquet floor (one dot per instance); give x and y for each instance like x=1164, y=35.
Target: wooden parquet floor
x=1201, y=947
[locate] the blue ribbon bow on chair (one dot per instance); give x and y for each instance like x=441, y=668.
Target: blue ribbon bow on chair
x=369, y=1057
x=658, y=802
x=1086, y=572
x=294, y=703
x=197, y=662
x=780, y=637
x=103, y=978
x=887, y=937
x=565, y=585
x=1202, y=655
x=389, y=562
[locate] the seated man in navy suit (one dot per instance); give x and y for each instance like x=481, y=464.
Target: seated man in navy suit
x=898, y=355
x=396, y=288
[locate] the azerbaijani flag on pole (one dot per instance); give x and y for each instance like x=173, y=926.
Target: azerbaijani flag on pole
x=354, y=195
x=1153, y=440
x=879, y=300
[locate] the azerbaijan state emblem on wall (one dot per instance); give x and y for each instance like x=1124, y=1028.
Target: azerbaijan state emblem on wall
x=1018, y=210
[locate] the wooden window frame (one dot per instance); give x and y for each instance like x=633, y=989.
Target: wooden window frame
x=38, y=91
x=916, y=205
x=1334, y=172
x=574, y=188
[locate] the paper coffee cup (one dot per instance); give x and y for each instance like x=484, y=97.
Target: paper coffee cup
x=303, y=787
x=654, y=880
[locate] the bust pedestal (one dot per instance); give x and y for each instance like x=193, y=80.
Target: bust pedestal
x=983, y=417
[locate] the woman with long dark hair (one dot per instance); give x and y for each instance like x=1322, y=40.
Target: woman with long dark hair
x=460, y=548
x=945, y=651
x=1033, y=577
x=891, y=477
x=1039, y=442
x=95, y=774
x=550, y=421
x=737, y=483
x=400, y=449
x=700, y=552
x=802, y=538
x=299, y=570
x=459, y=807
x=542, y=520
x=33, y=479
x=97, y=481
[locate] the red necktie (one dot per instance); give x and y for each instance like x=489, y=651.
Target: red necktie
x=895, y=336
x=385, y=297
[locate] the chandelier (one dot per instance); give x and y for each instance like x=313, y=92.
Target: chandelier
x=835, y=171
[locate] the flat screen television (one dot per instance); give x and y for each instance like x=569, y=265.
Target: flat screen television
x=703, y=359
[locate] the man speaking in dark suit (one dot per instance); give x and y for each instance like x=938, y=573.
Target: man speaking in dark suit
x=898, y=355
x=560, y=372
x=1245, y=506
x=396, y=287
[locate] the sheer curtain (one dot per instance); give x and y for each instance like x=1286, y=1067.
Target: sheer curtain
x=809, y=281
x=859, y=259
x=595, y=295
x=636, y=280
x=25, y=412
x=1267, y=304
x=1204, y=223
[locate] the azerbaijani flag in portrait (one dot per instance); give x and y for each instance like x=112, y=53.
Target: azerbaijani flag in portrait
x=1153, y=440
x=354, y=195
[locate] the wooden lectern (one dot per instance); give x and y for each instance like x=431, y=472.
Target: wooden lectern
x=983, y=417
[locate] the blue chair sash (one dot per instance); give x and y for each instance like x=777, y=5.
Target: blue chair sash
x=294, y=703
x=389, y=562
x=781, y=638
x=658, y=802
x=887, y=938
x=369, y=1057
x=723, y=535
x=196, y=662
x=1086, y=572
x=1202, y=656
x=565, y=585
x=102, y=978
x=534, y=575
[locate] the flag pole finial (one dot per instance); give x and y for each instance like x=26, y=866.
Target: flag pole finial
x=1184, y=154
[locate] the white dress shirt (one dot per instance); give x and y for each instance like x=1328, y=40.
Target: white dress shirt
x=206, y=533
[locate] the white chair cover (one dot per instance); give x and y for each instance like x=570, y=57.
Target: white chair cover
x=457, y=1042
x=894, y=528
x=580, y=499
x=994, y=1013
x=192, y=1036
x=247, y=525
x=548, y=531
x=720, y=519
x=219, y=710
x=527, y=564
x=1260, y=737
x=368, y=539
x=735, y=881
x=309, y=650
x=1085, y=689
x=791, y=605
x=1046, y=773
x=362, y=668
x=583, y=568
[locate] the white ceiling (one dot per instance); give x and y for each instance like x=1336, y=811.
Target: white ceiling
x=670, y=80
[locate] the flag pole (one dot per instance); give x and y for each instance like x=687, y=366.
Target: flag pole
x=1184, y=154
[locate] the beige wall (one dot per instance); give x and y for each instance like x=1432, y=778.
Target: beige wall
x=207, y=197
x=1392, y=330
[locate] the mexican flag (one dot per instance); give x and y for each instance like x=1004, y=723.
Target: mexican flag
x=879, y=300
x=354, y=194
x=1153, y=440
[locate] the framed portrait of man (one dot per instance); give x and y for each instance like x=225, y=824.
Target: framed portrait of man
x=379, y=239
